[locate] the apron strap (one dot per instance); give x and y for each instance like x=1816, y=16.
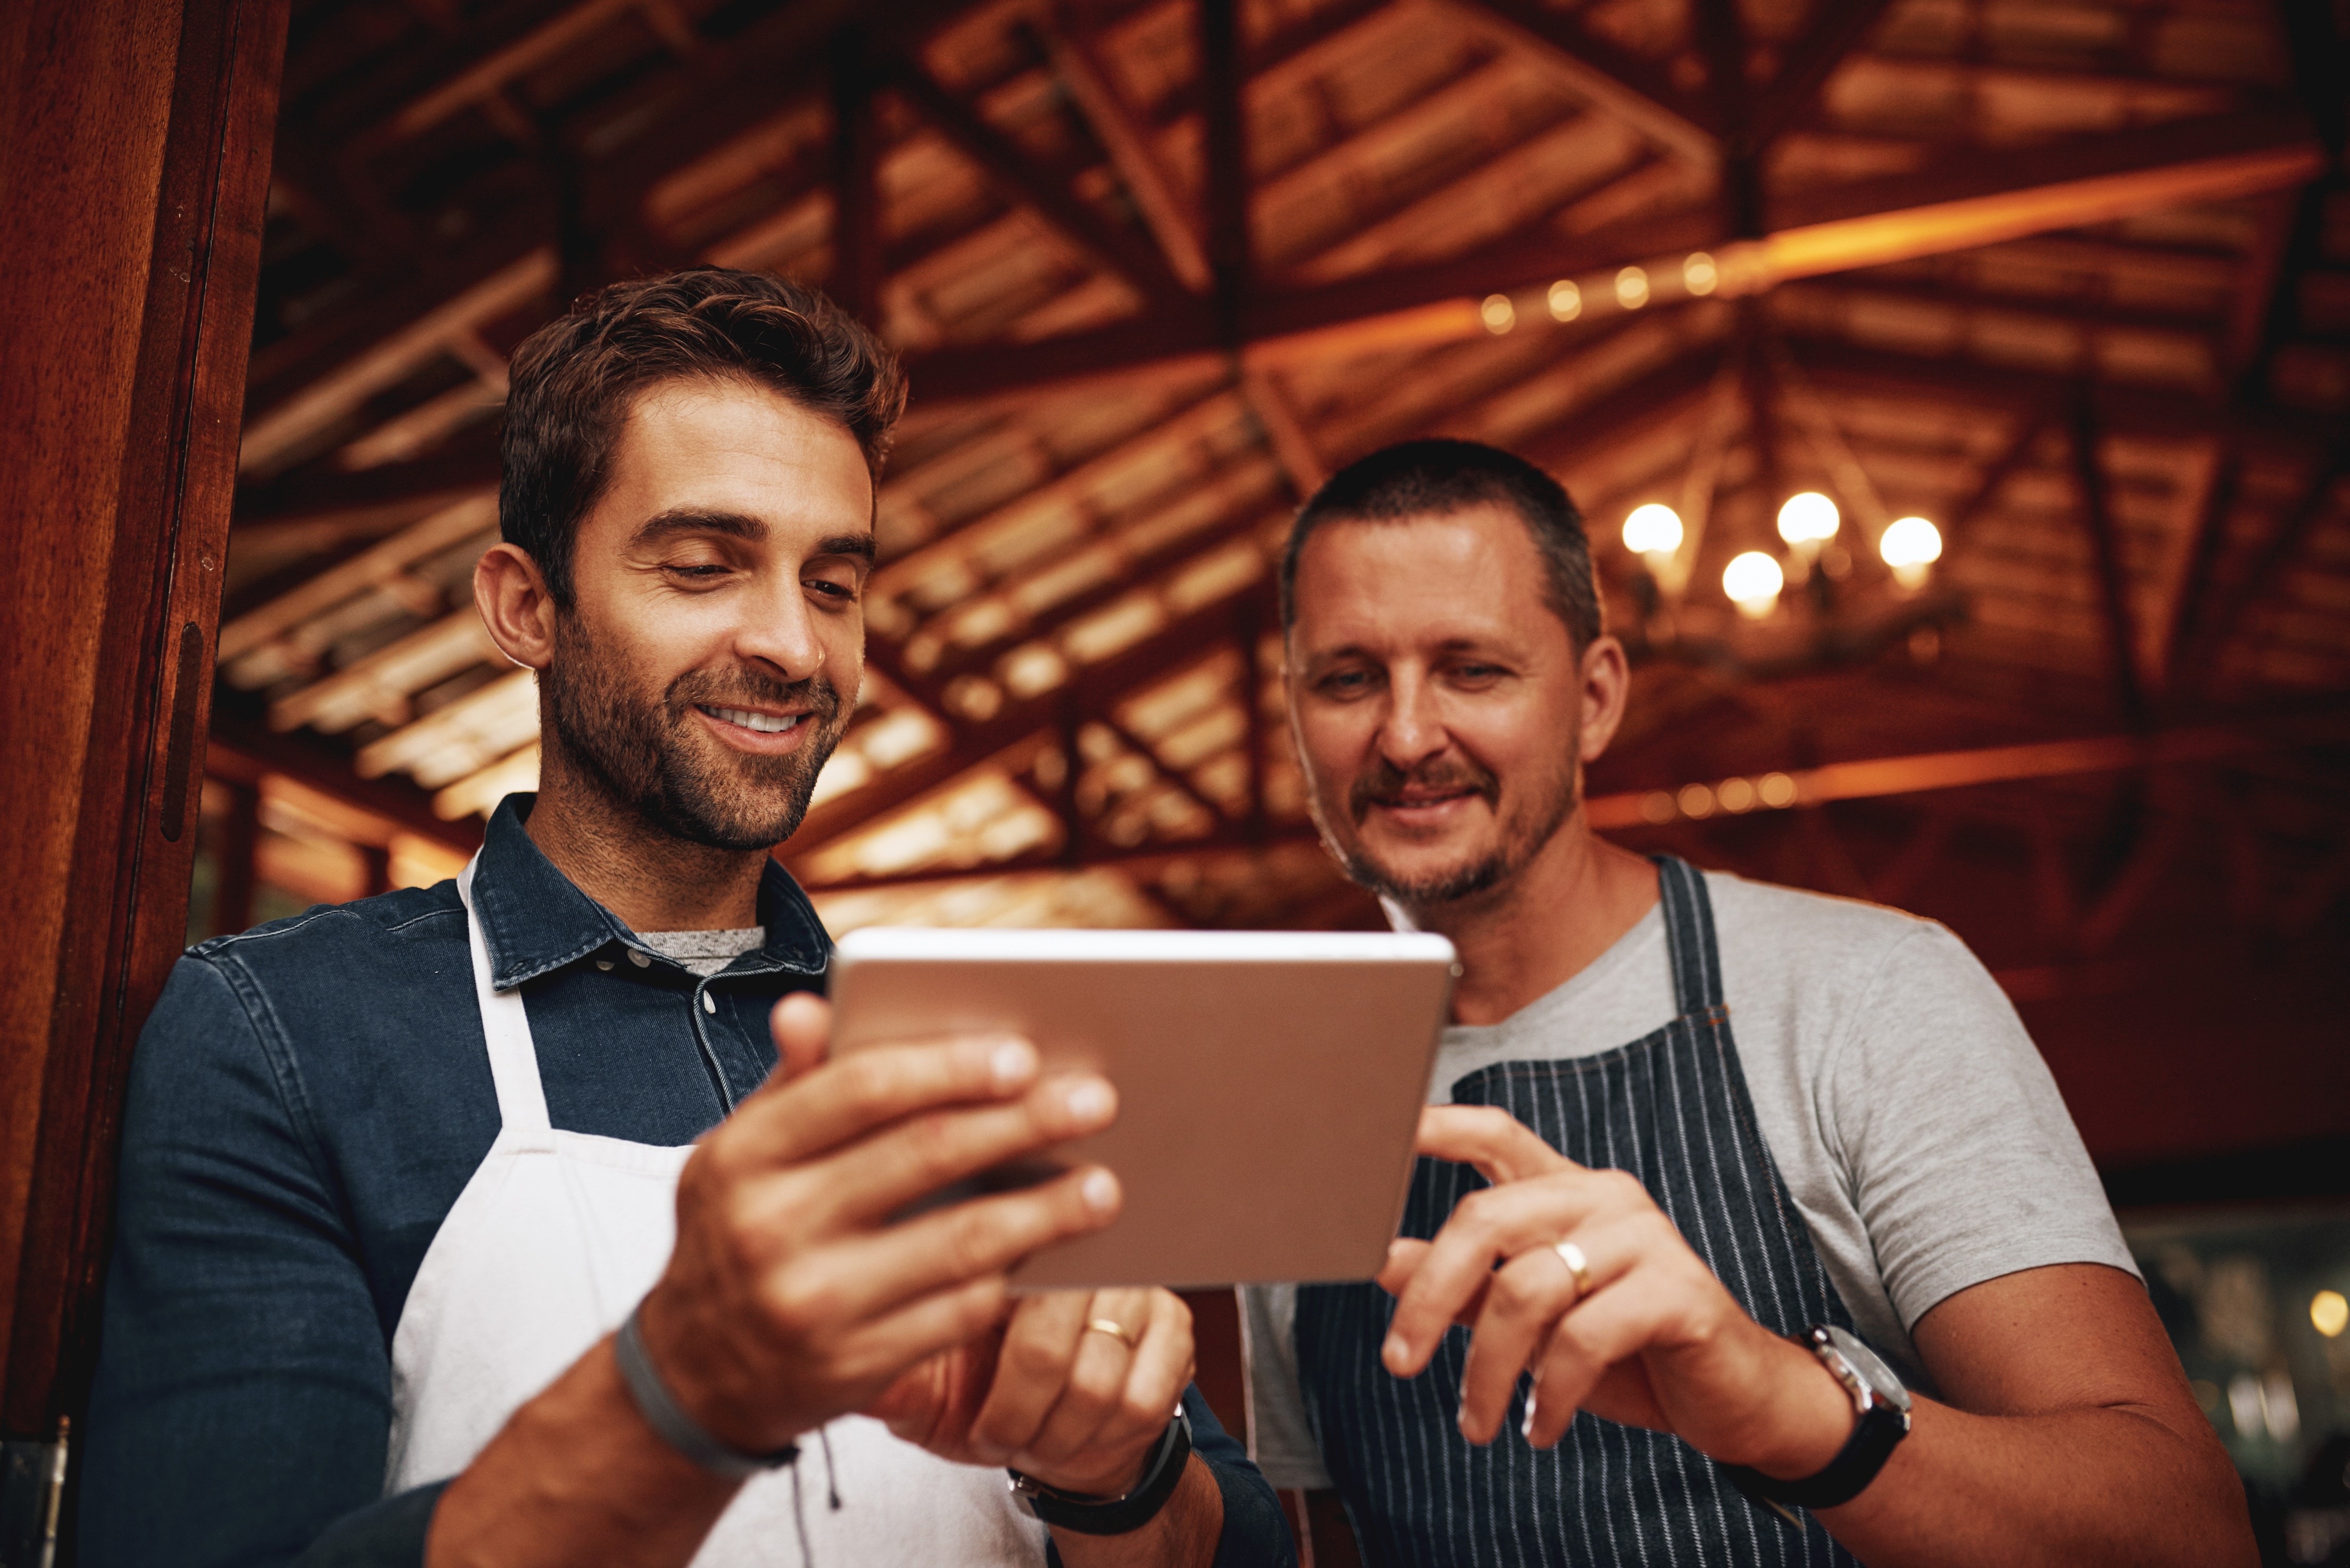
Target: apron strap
x=514, y=1058
x=1689, y=936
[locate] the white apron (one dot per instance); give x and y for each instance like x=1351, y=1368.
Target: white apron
x=555, y=1239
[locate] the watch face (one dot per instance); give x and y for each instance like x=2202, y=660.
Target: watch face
x=1880, y=1378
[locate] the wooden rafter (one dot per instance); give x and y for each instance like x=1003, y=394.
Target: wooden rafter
x=2104, y=548
x=1835, y=31
x=1635, y=90
x=1019, y=179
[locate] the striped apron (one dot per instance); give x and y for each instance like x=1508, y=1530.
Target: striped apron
x=1671, y=1109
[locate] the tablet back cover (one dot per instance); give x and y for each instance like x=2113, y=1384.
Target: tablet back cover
x=1268, y=1102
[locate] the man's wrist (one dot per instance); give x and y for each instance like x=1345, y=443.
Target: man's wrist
x=1810, y=1415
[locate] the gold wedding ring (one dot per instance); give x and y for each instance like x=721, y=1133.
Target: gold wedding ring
x=1112, y=1327
x=1576, y=1264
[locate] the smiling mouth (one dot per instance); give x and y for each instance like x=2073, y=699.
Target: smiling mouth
x=761, y=724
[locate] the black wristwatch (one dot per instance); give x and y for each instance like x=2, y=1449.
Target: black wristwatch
x=1115, y=1515
x=1883, y=1407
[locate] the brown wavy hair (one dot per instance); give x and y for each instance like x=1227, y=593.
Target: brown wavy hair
x=573, y=381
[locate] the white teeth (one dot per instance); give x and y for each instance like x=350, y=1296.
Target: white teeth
x=766, y=724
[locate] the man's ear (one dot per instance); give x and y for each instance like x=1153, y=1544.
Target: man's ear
x=511, y=593
x=1607, y=686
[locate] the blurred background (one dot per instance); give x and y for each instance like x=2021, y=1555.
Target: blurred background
x=1955, y=390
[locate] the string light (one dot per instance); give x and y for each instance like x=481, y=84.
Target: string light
x=1810, y=518
x=1631, y=288
x=1652, y=530
x=1752, y=581
x=1565, y=301
x=1700, y=275
x=1499, y=313
x=2329, y=1313
x=1910, y=546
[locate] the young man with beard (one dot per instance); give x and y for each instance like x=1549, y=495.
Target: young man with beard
x=521, y=1220
x=1713, y=1168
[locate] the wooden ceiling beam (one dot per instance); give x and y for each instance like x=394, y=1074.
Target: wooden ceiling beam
x=1075, y=50
x=1634, y=89
x=2269, y=567
x=2104, y=548
x=242, y=749
x=1925, y=772
x=1835, y=31
x=855, y=282
x=1019, y=180
x=1969, y=201
x=1224, y=158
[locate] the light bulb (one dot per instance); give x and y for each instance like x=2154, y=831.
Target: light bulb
x=1752, y=581
x=1631, y=288
x=1565, y=301
x=1808, y=519
x=1910, y=546
x=1498, y=313
x=1698, y=274
x=1654, y=529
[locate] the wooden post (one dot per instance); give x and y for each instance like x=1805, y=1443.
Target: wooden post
x=238, y=850
x=134, y=159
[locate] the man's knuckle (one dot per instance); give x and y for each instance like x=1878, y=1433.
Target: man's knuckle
x=1032, y=1358
x=799, y=1302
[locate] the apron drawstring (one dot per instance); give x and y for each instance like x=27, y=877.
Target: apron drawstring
x=831, y=1487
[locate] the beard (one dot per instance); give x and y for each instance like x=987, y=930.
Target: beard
x=1523, y=831
x=636, y=744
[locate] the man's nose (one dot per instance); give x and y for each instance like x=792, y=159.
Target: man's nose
x=1412, y=729
x=778, y=629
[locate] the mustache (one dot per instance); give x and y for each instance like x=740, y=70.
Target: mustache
x=1383, y=783
x=750, y=687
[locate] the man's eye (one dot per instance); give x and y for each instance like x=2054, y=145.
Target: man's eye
x=843, y=591
x=696, y=569
x=1345, y=683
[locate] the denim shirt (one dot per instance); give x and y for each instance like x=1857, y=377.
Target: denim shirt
x=306, y=1102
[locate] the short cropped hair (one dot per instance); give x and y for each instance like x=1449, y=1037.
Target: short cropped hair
x=1436, y=477
x=573, y=381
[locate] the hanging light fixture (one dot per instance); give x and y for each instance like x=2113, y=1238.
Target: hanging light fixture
x=1752, y=581
x=1653, y=530
x=1808, y=519
x=1911, y=546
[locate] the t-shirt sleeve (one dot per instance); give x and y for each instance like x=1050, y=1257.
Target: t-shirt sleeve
x=241, y=1402
x=1281, y=1441
x=1963, y=1162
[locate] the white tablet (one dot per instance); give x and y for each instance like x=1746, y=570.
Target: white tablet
x=1269, y=1083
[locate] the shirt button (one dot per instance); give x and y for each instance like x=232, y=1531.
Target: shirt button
x=605, y=964
x=638, y=958
x=709, y=1002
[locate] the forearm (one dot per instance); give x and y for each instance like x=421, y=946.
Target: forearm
x=1185, y=1535
x=577, y=1476
x=2068, y=1490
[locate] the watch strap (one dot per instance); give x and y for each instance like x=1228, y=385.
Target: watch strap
x=668, y=1419
x=1120, y=1515
x=1874, y=1437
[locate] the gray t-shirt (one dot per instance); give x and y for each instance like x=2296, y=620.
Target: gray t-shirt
x=1911, y=1116
x=704, y=953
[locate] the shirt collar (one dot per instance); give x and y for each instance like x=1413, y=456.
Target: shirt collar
x=534, y=919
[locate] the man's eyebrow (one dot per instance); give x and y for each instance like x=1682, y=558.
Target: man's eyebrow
x=687, y=520
x=678, y=520
x=858, y=545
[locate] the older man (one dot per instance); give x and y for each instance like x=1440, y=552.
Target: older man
x=1751, y=1227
